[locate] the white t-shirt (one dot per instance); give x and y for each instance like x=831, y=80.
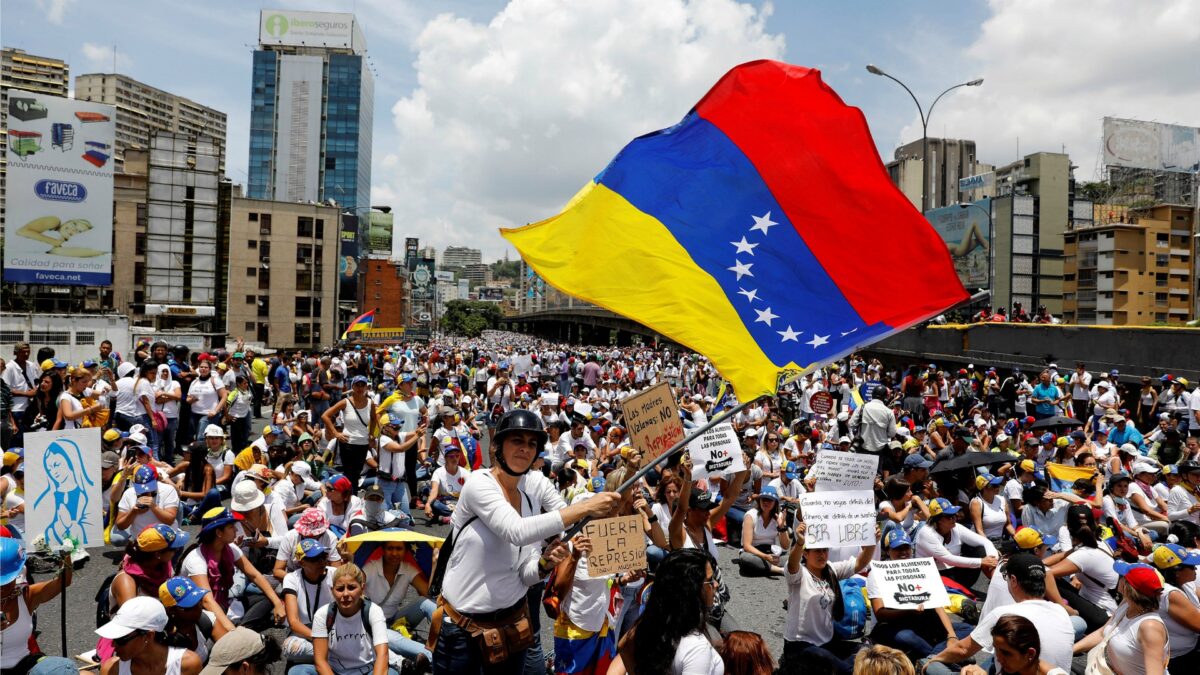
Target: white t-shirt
x=450, y=484
x=695, y=656
x=407, y=412
x=75, y=406
x=810, y=604
x=350, y=648
x=287, y=548
x=127, y=403
x=1097, y=576
x=792, y=490
x=206, y=393
x=379, y=590
x=1052, y=623
x=166, y=498
x=310, y=597
x=586, y=604
x=194, y=565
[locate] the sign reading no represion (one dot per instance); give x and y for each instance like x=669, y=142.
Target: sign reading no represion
x=652, y=418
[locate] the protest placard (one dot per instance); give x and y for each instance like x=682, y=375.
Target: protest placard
x=618, y=545
x=652, y=418
x=833, y=519
x=716, y=452
x=837, y=470
x=584, y=410
x=908, y=584
x=63, y=487
x=821, y=402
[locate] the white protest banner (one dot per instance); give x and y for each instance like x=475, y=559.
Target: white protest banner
x=907, y=584
x=834, y=519
x=62, y=487
x=582, y=409
x=652, y=418
x=837, y=470
x=618, y=545
x=716, y=452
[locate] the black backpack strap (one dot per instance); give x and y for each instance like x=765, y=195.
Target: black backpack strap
x=443, y=560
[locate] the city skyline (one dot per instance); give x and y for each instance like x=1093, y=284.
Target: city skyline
x=456, y=167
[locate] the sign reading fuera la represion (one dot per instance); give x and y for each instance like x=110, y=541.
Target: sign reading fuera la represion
x=716, y=453
x=908, y=584
x=652, y=418
x=618, y=545
x=837, y=470
x=834, y=519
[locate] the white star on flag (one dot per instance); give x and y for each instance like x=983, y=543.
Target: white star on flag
x=763, y=223
x=751, y=295
x=741, y=269
x=818, y=340
x=789, y=334
x=845, y=333
x=744, y=246
x=765, y=316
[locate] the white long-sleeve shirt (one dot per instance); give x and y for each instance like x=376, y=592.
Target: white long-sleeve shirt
x=1179, y=501
x=947, y=554
x=495, y=559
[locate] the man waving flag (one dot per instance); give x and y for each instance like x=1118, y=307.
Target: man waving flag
x=761, y=231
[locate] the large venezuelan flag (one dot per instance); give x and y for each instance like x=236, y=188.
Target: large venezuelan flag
x=761, y=231
x=361, y=323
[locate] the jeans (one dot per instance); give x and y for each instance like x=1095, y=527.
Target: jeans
x=395, y=493
x=733, y=524
x=53, y=665
x=309, y=669
x=166, y=441
x=200, y=422
x=654, y=555
x=456, y=654
x=535, y=658
x=837, y=655
x=239, y=432
x=441, y=509
x=212, y=499
x=413, y=614
x=918, y=636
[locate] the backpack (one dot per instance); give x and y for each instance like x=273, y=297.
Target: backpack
x=853, y=623
x=363, y=614
x=103, y=615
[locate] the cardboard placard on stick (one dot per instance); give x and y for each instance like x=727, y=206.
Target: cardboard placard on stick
x=908, y=584
x=716, y=452
x=652, y=418
x=618, y=545
x=835, y=519
x=837, y=470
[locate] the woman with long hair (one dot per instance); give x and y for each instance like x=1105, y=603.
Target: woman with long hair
x=1147, y=405
x=71, y=411
x=692, y=521
x=669, y=637
x=207, y=398
x=1018, y=649
x=197, y=482
x=143, y=391
x=138, y=634
x=360, y=428
x=1092, y=564
x=764, y=536
x=20, y=654
x=42, y=413
x=1134, y=641
x=211, y=565
x=1179, y=608
x=339, y=503
x=815, y=603
x=989, y=511
x=348, y=637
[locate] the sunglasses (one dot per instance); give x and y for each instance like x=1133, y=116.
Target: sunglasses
x=127, y=638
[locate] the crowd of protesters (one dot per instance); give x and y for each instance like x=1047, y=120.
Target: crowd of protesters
x=232, y=480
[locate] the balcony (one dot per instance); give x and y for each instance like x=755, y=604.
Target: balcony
x=1181, y=252
x=1104, y=284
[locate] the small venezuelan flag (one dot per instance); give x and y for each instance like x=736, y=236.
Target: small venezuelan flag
x=1062, y=477
x=362, y=322
x=758, y=231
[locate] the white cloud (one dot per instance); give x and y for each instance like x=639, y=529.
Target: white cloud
x=55, y=10
x=511, y=117
x=100, y=58
x=1053, y=70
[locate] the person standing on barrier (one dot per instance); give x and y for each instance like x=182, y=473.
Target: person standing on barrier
x=495, y=555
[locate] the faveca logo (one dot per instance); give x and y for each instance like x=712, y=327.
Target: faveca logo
x=277, y=25
x=60, y=190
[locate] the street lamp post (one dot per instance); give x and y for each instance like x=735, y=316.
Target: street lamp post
x=991, y=249
x=871, y=68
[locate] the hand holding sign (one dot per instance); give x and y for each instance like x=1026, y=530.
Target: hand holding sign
x=909, y=584
x=837, y=470
x=837, y=519
x=716, y=452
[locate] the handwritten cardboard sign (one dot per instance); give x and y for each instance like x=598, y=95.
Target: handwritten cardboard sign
x=716, y=452
x=652, y=418
x=908, y=584
x=837, y=470
x=618, y=545
x=834, y=519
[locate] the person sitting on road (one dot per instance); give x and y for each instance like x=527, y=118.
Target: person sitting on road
x=942, y=538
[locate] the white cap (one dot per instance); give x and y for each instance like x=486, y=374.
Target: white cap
x=140, y=613
x=466, y=400
x=138, y=437
x=1001, y=437
x=843, y=416
x=302, y=469
x=214, y=431
x=903, y=431
x=125, y=369
x=137, y=429
x=1145, y=467
x=246, y=497
x=752, y=432
x=843, y=439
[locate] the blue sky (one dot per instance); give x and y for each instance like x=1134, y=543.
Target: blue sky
x=480, y=123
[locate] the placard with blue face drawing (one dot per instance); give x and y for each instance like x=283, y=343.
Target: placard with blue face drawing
x=63, y=487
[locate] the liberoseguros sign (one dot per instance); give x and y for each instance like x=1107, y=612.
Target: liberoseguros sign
x=319, y=29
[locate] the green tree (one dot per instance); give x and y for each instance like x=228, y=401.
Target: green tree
x=470, y=318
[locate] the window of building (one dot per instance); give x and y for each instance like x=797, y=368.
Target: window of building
x=50, y=337
x=303, y=333
x=264, y=248
x=303, y=280
x=253, y=217
x=253, y=243
x=1160, y=279
x=139, y=248
x=264, y=305
x=250, y=299
x=264, y=333
x=1162, y=240
x=316, y=308
x=304, y=226
x=251, y=271
x=139, y=297
x=264, y=280
x=1161, y=259
x=85, y=338
x=320, y=231
x=303, y=305
x=1160, y=299
x=139, y=273
x=1160, y=317
x=264, y=223
x=250, y=326
x=304, y=253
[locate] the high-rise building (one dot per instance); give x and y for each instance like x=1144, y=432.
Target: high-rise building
x=312, y=104
x=283, y=272
x=143, y=109
x=1034, y=207
x=20, y=70
x=1131, y=269
x=461, y=256
x=950, y=160
x=477, y=274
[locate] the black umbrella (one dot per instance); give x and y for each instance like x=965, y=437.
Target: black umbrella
x=1055, y=422
x=970, y=460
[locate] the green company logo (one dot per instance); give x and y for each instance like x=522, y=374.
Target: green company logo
x=276, y=25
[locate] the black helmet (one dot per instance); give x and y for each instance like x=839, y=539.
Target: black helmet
x=179, y=350
x=517, y=419
x=1188, y=466
x=880, y=392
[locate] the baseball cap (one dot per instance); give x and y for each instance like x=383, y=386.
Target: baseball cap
x=844, y=439
x=139, y=613
x=917, y=461
x=1078, y=435
x=145, y=480
x=359, y=379
x=138, y=438
x=1145, y=467
x=1029, y=538
x=895, y=538
x=339, y=482
x=109, y=459
x=986, y=480
x=942, y=506
x=598, y=483
x=301, y=469
x=1025, y=567
x=310, y=548
x=406, y=377
x=1167, y=556
x=1118, y=477
x=215, y=431
x=159, y=537
x=1027, y=465
x=180, y=592
x=113, y=435
x=236, y=646
x=701, y=499
x=217, y=517
x=1141, y=576
x=790, y=470
x=1001, y=437
x=770, y=493
x=1047, y=438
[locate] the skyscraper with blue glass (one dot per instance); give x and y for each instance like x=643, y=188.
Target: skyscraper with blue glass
x=311, y=110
